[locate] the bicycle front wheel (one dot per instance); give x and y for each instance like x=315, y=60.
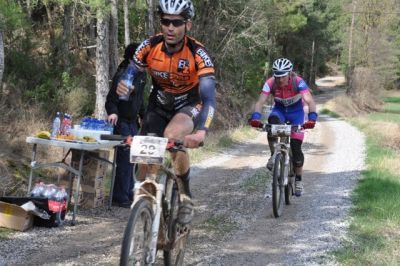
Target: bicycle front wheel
x=277, y=185
x=135, y=249
x=177, y=235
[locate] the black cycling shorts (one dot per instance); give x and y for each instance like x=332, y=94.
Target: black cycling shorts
x=157, y=119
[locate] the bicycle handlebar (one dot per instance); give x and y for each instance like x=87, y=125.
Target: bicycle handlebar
x=173, y=144
x=294, y=128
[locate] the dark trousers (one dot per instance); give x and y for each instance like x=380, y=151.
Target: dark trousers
x=124, y=178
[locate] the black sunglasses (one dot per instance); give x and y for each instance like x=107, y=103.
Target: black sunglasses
x=175, y=22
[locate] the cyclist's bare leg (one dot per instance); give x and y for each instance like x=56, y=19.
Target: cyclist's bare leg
x=180, y=126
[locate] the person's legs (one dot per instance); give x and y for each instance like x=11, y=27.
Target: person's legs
x=296, y=140
x=180, y=126
x=124, y=182
x=276, y=117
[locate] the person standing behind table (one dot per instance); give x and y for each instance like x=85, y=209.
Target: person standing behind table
x=124, y=116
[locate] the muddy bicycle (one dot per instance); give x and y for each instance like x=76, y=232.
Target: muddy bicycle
x=152, y=223
x=283, y=177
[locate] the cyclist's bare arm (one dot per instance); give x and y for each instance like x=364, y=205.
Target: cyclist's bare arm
x=260, y=103
x=309, y=100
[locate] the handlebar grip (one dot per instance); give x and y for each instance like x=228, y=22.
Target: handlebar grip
x=112, y=137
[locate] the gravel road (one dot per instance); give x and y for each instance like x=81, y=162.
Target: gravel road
x=233, y=224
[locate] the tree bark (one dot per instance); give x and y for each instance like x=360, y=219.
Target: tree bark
x=150, y=18
x=1, y=58
x=126, y=22
x=102, y=65
x=67, y=30
x=113, y=37
x=349, y=62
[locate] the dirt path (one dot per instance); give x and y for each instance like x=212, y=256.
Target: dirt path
x=233, y=223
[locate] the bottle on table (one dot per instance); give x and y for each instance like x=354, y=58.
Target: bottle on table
x=56, y=126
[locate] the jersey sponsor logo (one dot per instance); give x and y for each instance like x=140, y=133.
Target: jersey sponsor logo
x=195, y=112
x=302, y=85
x=203, y=54
x=288, y=101
x=183, y=66
x=160, y=74
x=266, y=87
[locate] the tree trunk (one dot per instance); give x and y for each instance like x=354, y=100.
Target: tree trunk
x=102, y=65
x=113, y=37
x=310, y=80
x=67, y=30
x=150, y=18
x=126, y=22
x=1, y=58
x=349, y=62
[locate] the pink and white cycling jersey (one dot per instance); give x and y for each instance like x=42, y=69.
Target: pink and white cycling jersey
x=287, y=96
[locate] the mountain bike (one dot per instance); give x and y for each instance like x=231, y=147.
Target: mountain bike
x=152, y=223
x=283, y=171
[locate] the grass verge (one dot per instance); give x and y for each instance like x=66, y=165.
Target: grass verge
x=220, y=140
x=374, y=233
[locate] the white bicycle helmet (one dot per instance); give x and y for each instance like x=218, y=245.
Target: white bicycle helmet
x=282, y=67
x=184, y=8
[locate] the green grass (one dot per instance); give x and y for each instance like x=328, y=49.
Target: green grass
x=257, y=182
x=392, y=100
x=326, y=111
x=374, y=233
x=219, y=224
x=385, y=117
x=5, y=233
x=392, y=108
x=220, y=140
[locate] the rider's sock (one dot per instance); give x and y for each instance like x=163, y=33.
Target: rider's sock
x=185, y=181
x=298, y=177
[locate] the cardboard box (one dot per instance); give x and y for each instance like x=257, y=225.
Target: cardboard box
x=91, y=167
x=90, y=200
x=15, y=217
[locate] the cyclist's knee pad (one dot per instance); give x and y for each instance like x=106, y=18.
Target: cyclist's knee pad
x=298, y=156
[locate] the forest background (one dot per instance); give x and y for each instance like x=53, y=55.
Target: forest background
x=59, y=55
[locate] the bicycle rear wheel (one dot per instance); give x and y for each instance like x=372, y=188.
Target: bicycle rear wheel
x=135, y=249
x=277, y=185
x=178, y=235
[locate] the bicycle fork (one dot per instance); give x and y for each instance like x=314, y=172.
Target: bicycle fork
x=141, y=191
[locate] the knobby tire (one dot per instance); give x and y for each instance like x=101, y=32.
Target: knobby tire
x=135, y=249
x=277, y=185
x=175, y=254
x=289, y=186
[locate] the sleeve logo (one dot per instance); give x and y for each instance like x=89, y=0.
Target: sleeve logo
x=206, y=58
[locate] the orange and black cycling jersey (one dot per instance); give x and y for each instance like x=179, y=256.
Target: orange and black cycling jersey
x=174, y=73
x=183, y=78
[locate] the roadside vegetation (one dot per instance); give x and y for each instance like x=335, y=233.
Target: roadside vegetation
x=374, y=234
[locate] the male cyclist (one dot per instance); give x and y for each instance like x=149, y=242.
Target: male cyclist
x=182, y=101
x=290, y=93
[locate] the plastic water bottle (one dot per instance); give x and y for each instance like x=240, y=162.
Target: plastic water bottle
x=38, y=190
x=128, y=77
x=56, y=126
x=68, y=125
x=59, y=205
x=49, y=191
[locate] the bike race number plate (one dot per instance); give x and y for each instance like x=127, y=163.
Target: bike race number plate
x=281, y=130
x=148, y=150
